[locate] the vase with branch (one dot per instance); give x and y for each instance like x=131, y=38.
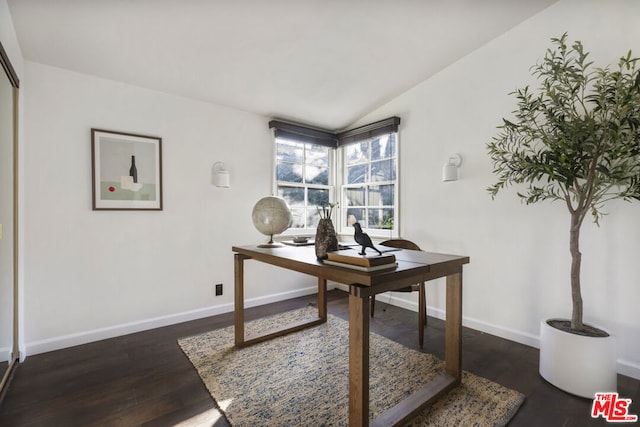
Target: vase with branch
x=326, y=239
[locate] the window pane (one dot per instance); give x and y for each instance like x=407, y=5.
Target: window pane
x=369, y=192
x=354, y=196
x=380, y=218
x=383, y=170
x=298, y=217
x=383, y=147
x=312, y=218
x=357, y=174
x=317, y=155
x=318, y=198
x=290, y=151
x=357, y=153
x=358, y=213
x=381, y=195
x=316, y=175
x=294, y=196
x=303, y=177
x=288, y=172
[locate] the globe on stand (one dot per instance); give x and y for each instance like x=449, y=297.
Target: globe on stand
x=271, y=215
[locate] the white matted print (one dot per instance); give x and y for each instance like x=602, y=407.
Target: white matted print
x=126, y=171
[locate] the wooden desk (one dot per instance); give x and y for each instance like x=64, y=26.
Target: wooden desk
x=413, y=267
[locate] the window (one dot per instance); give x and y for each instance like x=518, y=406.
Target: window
x=311, y=165
x=303, y=179
x=369, y=188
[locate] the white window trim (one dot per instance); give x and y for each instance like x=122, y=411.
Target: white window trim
x=337, y=174
x=376, y=233
x=307, y=231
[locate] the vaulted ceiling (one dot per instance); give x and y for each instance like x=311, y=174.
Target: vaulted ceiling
x=320, y=62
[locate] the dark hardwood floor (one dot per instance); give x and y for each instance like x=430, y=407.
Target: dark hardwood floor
x=145, y=379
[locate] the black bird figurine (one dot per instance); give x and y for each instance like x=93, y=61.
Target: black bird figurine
x=363, y=239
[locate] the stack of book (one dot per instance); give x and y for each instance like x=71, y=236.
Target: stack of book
x=361, y=262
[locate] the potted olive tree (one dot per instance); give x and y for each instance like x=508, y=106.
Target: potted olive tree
x=574, y=139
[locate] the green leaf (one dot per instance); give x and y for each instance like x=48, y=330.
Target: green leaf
x=577, y=132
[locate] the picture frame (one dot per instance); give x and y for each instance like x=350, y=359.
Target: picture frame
x=126, y=171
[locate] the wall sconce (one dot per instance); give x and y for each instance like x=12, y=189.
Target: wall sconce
x=450, y=169
x=220, y=175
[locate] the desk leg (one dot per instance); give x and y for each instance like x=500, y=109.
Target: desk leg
x=358, y=357
x=453, y=333
x=243, y=341
x=322, y=299
x=238, y=315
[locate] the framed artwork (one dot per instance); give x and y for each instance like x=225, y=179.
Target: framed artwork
x=126, y=171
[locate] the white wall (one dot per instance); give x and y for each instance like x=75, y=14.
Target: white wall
x=519, y=270
x=90, y=274
x=93, y=274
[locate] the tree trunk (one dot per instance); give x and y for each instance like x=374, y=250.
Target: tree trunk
x=576, y=260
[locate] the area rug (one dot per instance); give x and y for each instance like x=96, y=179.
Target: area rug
x=301, y=379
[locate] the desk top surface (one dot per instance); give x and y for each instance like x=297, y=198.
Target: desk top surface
x=412, y=265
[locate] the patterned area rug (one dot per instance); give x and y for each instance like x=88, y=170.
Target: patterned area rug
x=301, y=379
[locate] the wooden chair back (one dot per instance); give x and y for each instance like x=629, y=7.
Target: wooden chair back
x=401, y=244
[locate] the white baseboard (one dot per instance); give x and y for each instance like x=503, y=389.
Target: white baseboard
x=490, y=328
x=628, y=368
x=60, y=342
x=624, y=367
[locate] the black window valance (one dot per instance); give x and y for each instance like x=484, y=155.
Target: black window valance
x=369, y=131
x=304, y=134
x=330, y=139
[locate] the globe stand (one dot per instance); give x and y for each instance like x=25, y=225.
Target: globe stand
x=271, y=244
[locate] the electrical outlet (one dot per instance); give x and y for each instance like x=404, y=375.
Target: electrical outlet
x=219, y=289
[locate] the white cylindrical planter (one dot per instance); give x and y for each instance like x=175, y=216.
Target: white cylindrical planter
x=578, y=364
